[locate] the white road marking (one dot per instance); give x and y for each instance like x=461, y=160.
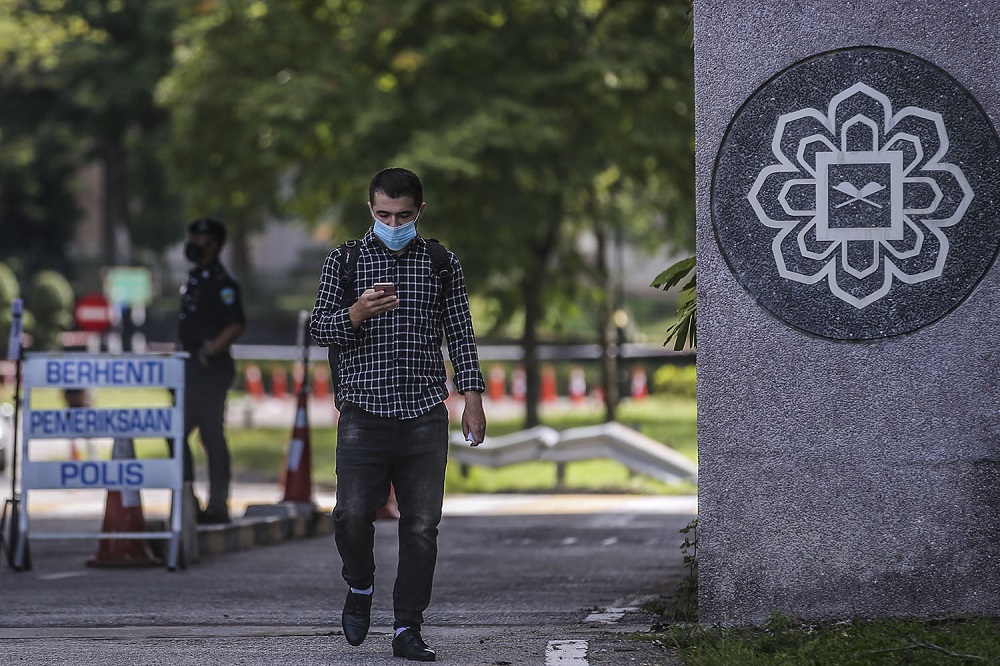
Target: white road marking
x=609, y=615
x=569, y=653
x=60, y=576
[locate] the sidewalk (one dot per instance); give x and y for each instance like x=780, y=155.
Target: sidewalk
x=81, y=511
x=65, y=511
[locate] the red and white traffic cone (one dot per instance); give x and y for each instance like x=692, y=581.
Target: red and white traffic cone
x=255, y=383
x=549, y=391
x=577, y=385
x=518, y=384
x=298, y=376
x=279, y=382
x=639, y=388
x=123, y=513
x=496, y=389
x=296, y=474
x=321, y=381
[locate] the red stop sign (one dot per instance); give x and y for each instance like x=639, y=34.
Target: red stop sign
x=91, y=313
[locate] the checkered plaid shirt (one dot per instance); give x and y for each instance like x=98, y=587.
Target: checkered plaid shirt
x=393, y=365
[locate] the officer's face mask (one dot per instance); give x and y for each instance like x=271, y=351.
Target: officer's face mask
x=194, y=252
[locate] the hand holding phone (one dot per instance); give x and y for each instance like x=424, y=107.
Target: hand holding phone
x=387, y=288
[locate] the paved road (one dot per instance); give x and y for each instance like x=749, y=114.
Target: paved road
x=517, y=578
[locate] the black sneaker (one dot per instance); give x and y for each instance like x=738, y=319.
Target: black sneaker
x=409, y=644
x=357, y=617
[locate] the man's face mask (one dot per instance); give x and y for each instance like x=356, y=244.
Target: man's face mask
x=396, y=238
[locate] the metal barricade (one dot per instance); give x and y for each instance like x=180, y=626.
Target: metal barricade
x=97, y=371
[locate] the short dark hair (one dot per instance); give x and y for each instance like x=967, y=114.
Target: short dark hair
x=212, y=226
x=396, y=182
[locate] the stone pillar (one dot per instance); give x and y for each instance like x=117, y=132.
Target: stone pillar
x=848, y=173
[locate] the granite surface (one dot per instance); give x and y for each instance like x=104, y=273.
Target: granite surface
x=852, y=467
x=842, y=196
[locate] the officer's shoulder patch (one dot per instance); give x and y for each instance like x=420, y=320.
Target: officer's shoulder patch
x=228, y=295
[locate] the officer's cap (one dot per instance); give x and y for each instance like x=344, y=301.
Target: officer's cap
x=209, y=225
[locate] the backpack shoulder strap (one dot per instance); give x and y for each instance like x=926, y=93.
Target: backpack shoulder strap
x=440, y=261
x=348, y=251
x=348, y=261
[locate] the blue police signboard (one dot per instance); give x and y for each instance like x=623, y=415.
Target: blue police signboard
x=103, y=371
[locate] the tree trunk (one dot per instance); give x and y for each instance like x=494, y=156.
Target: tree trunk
x=529, y=342
x=115, y=203
x=609, y=362
x=533, y=310
x=239, y=255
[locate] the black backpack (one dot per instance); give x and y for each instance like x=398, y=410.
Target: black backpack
x=348, y=268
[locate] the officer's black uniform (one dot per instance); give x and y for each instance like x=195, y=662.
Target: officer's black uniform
x=210, y=301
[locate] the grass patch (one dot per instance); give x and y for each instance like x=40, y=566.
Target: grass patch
x=784, y=641
x=259, y=452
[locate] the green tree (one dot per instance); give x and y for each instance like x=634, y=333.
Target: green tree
x=9, y=291
x=533, y=123
x=108, y=86
x=38, y=148
x=51, y=302
x=78, y=79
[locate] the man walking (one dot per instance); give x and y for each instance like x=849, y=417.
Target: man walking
x=384, y=305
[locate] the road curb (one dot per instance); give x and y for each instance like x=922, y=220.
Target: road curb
x=252, y=531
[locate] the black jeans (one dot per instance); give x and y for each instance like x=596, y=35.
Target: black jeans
x=373, y=454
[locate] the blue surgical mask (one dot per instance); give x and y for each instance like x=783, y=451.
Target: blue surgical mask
x=396, y=238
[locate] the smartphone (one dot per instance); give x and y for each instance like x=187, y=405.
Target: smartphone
x=388, y=288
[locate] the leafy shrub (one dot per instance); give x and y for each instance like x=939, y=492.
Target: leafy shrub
x=52, y=305
x=678, y=380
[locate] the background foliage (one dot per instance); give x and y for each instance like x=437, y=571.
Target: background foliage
x=548, y=133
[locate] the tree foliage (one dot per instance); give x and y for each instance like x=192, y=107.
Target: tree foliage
x=532, y=124
x=77, y=78
x=51, y=302
x=546, y=131
x=683, y=332
x=38, y=159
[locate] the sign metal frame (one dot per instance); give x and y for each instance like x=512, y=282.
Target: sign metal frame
x=89, y=371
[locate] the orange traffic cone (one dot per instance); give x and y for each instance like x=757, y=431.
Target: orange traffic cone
x=549, y=393
x=321, y=381
x=390, y=511
x=296, y=474
x=123, y=513
x=279, y=382
x=639, y=388
x=518, y=384
x=298, y=376
x=255, y=384
x=497, y=387
x=577, y=385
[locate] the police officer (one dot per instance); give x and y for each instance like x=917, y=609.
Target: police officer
x=211, y=318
